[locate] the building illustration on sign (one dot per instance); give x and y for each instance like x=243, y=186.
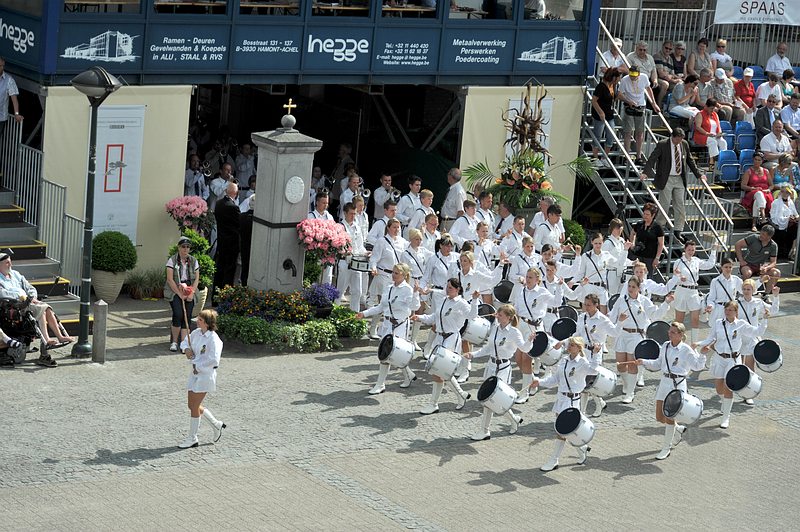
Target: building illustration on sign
x=109, y=46
x=557, y=51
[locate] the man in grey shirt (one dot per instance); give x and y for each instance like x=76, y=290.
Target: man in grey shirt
x=761, y=256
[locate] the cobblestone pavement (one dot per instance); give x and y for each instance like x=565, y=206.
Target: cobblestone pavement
x=89, y=447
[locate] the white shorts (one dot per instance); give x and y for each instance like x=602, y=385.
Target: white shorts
x=563, y=402
x=491, y=370
x=720, y=366
x=601, y=292
x=687, y=300
x=666, y=385
x=627, y=342
x=202, y=382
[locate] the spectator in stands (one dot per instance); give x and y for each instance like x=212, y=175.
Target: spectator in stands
x=746, y=94
x=760, y=258
x=726, y=98
x=679, y=59
x=778, y=62
x=705, y=88
x=784, y=217
x=699, y=59
x=613, y=58
x=683, y=95
x=764, y=118
x=632, y=91
x=787, y=86
x=665, y=70
x=647, y=69
x=708, y=132
x=775, y=143
x=756, y=187
x=770, y=87
x=790, y=116
x=603, y=110
x=721, y=59
x=787, y=173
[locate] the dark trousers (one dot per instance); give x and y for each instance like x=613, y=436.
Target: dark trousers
x=226, y=265
x=178, y=319
x=784, y=239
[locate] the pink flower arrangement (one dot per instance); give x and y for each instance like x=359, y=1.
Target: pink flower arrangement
x=191, y=212
x=324, y=239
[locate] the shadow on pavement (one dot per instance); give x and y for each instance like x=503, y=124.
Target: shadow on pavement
x=384, y=423
x=638, y=464
x=131, y=458
x=508, y=480
x=338, y=399
x=445, y=448
x=140, y=332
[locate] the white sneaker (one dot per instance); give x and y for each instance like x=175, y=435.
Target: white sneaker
x=430, y=409
x=550, y=465
x=377, y=389
x=522, y=397
x=173, y=347
x=417, y=347
x=189, y=442
x=481, y=435
x=515, y=425
x=583, y=454
x=640, y=381
x=726, y=421
x=628, y=399
x=463, y=378
x=600, y=405
x=748, y=402
x=407, y=382
x=679, y=431
x=663, y=454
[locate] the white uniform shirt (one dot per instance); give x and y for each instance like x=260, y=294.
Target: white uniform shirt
x=570, y=374
x=512, y=244
x=594, y=266
x=416, y=260
x=678, y=360
x=475, y=279
x=378, y=230
x=690, y=268
x=729, y=336
x=503, y=342
x=649, y=287
x=616, y=247
x=436, y=271
x=547, y=233
x=245, y=167
x=595, y=329
x=346, y=197
x=207, y=349
x=464, y=229
x=532, y=303
x=487, y=217
x=417, y=220
x=316, y=215
x=641, y=312
x=386, y=253
x=450, y=316
x=429, y=239
x=194, y=184
x=218, y=187
x=754, y=310
x=520, y=264
x=356, y=236
x=363, y=223
x=379, y=197
x=722, y=290
x=781, y=211
x=454, y=202
x=406, y=207
x=486, y=252
x=540, y=218
x=502, y=226
x=395, y=303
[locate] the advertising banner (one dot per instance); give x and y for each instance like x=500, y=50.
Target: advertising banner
x=758, y=12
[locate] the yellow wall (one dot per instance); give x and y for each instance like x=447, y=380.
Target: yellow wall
x=66, y=141
x=484, y=133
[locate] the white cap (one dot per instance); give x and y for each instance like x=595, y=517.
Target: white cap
x=618, y=42
x=720, y=74
x=748, y=72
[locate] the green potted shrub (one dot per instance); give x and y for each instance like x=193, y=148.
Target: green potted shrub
x=199, y=250
x=146, y=284
x=113, y=256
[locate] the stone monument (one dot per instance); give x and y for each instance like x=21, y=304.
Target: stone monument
x=285, y=162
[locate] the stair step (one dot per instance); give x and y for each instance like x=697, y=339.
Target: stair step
x=11, y=213
x=38, y=268
x=65, y=305
x=71, y=323
x=50, y=286
x=7, y=196
x=25, y=249
x=16, y=231
x=789, y=283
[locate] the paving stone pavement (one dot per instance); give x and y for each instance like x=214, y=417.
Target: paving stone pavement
x=92, y=447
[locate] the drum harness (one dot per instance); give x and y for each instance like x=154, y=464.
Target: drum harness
x=602, y=283
x=589, y=336
x=529, y=321
x=572, y=396
x=741, y=304
x=726, y=293
x=669, y=373
x=693, y=286
x=732, y=354
x=445, y=269
x=638, y=329
x=496, y=358
x=394, y=251
x=441, y=333
x=395, y=323
x=415, y=262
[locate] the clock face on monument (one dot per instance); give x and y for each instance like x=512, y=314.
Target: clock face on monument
x=295, y=190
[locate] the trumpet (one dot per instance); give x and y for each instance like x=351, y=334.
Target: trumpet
x=363, y=191
x=395, y=194
x=207, y=172
x=206, y=165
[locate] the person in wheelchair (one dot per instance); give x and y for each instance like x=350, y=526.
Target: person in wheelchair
x=13, y=285
x=8, y=343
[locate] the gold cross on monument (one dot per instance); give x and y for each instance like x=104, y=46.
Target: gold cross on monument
x=289, y=106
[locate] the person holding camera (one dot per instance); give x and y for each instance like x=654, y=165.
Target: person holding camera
x=648, y=238
x=632, y=92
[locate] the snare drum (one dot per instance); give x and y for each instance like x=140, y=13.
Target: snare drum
x=476, y=331
x=563, y=328
x=359, y=263
x=395, y=351
x=682, y=406
x=443, y=363
x=502, y=292
x=602, y=384
x=496, y=395
x=648, y=350
x=768, y=355
x=742, y=381
x=486, y=311
x=612, y=300
x=566, y=311
x=576, y=428
x=540, y=344
x=658, y=331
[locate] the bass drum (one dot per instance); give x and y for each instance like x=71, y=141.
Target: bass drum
x=742, y=381
x=502, y=292
x=497, y=395
x=541, y=342
x=563, y=328
x=443, y=363
x=647, y=349
x=395, y=351
x=486, y=311
x=683, y=407
x=658, y=331
x=476, y=331
x=576, y=428
x=768, y=355
x=602, y=384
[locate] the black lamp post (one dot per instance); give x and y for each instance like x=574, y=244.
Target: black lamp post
x=96, y=84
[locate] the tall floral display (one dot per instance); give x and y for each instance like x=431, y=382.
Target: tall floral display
x=324, y=241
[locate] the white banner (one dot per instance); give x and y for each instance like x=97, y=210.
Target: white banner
x=758, y=12
x=120, y=133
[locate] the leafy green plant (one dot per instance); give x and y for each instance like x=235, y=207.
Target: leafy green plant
x=199, y=250
x=314, y=335
x=113, y=252
x=147, y=283
x=269, y=305
x=346, y=323
x=574, y=232
x=312, y=269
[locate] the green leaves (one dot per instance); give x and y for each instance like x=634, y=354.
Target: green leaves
x=114, y=252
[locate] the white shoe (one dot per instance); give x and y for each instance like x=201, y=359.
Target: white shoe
x=663, y=454
x=217, y=428
x=430, y=409
x=464, y=398
x=374, y=336
x=377, y=389
x=640, y=381
x=417, y=347
x=748, y=402
x=407, y=381
x=583, y=454
x=522, y=397
x=190, y=441
x=600, y=405
x=463, y=378
x=679, y=431
x=515, y=423
x=550, y=465
x=726, y=421
x=628, y=399
x=173, y=347
x=481, y=435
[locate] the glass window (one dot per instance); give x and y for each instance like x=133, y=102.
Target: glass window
x=269, y=7
x=191, y=7
x=554, y=9
x=101, y=6
x=481, y=9
x=342, y=8
x=29, y=7
x=409, y=9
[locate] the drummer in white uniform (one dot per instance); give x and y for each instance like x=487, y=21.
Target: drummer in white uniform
x=465, y=226
x=380, y=225
x=396, y=307
x=594, y=327
x=430, y=233
x=484, y=212
x=487, y=253
x=416, y=256
x=531, y=303
x=436, y=272
x=676, y=360
x=348, y=278
x=594, y=270
x=418, y=216
x=569, y=376
x=550, y=231
x=616, y=244
x=513, y=239
x=557, y=286
x=687, y=295
x=505, y=339
x=447, y=319
x=727, y=335
x=385, y=255
x=753, y=310
x=723, y=288
x=521, y=262
x=634, y=313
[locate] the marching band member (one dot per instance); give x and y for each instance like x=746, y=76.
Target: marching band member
x=594, y=270
x=648, y=287
x=430, y=233
x=505, y=339
x=687, y=297
x=484, y=213
x=415, y=255
x=723, y=288
x=616, y=244
x=385, y=255
x=637, y=312
x=531, y=304
x=434, y=279
x=558, y=287
x=361, y=217
x=356, y=281
x=512, y=240
x=447, y=319
x=549, y=231
x=379, y=225
x=320, y=212
x=381, y=195
x=420, y=215
x=349, y=193
x=464, y=229
x=486, y=253
x=396, y=307
x=541, y=216
x=522, y=261
x=410, y=202
x=569, y=376
x=594, y=327
x=504, y=223
x=563, y=269
x=676, y=360
x=727, y=335
x=753, y=310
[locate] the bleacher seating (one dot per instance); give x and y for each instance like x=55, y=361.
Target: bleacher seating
x=796, y=72
x=728, y=168
x=738, y=72
x=745, y=136
x=727, y=133
x=745, y=159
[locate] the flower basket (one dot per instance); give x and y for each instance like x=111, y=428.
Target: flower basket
x=324, y=240
x=191, y=212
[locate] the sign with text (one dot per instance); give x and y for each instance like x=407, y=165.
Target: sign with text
x=337, y=49
x=274, y=49
x=488, y=51
x=179, y=47
x=20, y=39
x=758, y=12
x=400, y=50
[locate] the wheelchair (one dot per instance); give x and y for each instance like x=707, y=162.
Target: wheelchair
x=17, y=321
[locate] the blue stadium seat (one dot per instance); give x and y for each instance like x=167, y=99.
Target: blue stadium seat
x=796, y=72
x=745, y=136
x=728, y=167
x=758, y=72
x=746, y=159
x=757, y=82
x=738, y=72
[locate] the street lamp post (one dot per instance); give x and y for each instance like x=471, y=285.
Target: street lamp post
x=96, y=84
